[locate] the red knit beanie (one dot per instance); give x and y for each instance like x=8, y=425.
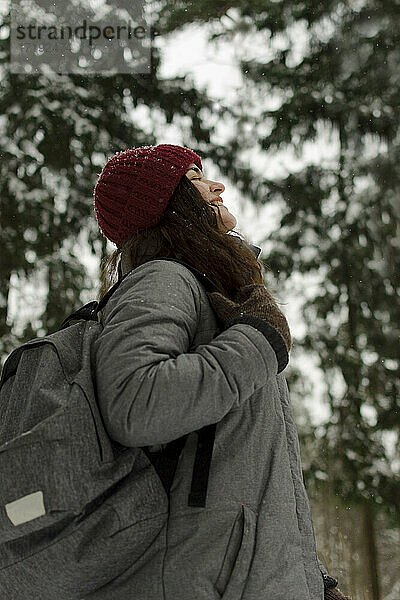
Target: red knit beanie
x=134, y=188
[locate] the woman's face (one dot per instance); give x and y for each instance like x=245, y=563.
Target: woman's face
x=210, y=191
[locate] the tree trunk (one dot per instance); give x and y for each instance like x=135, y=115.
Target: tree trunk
x=5, y=329
x=371, y=551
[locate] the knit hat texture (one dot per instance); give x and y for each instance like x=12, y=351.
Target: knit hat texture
x=135, y=186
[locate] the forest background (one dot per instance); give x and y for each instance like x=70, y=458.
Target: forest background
x=295, y=107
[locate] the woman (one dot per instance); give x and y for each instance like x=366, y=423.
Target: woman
x=175, y=359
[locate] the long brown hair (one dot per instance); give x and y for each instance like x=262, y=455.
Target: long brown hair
x=191, y=231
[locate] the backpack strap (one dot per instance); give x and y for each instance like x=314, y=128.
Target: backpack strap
x=89, y=311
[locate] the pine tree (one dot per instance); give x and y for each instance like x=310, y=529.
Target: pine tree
x=341, y=221
x=57, y=131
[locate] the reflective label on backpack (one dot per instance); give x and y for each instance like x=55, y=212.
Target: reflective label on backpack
x=26, y=508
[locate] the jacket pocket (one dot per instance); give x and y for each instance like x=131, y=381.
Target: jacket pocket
x=239, y=553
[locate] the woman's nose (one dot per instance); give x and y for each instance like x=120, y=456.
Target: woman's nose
x=216, y=186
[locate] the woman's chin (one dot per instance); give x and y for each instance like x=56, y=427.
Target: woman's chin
x=230, y=222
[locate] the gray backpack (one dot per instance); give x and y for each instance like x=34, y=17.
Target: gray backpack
x=76, y=507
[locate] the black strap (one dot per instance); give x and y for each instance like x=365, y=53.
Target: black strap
x=88, y=312
x=201, y=467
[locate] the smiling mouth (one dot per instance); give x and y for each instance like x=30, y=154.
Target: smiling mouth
x=217, y=203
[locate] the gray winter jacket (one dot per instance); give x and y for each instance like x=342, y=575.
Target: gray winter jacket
x=164, y=369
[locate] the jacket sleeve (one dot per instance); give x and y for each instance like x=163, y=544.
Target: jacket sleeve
x=152, y=386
